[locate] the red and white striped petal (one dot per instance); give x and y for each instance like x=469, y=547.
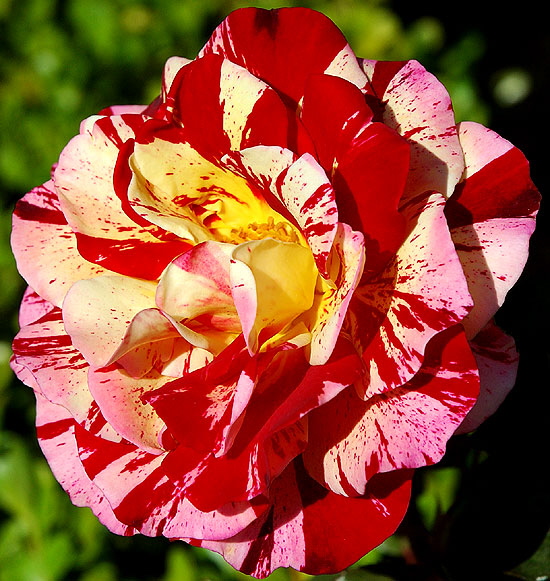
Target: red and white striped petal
x=55, y=428
x=330, y=307
x=195, y=292
x=491, y=216
x=407, y=427
x=139, y=491
x=497, y=361
x=275, y=46
x=419, y=108
x=222, y=107
x=493, y=255
x=422, y=292
x=58, y=371
x=301, y=186
x=84, y=183
x=119, y=396
x=45, y=246
x=294, y=533
x=98, y=312
x=33, y=307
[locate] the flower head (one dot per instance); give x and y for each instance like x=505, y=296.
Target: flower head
x=256, y=304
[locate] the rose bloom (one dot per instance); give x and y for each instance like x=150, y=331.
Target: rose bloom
x=256, y=304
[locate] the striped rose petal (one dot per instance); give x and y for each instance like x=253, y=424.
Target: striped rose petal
x=55, y=429
x=491, y=217
x=422, y=292
x=275, y=46
x=139, y=492
x=294, y=531
x=407, y=427
x=222, y=107
x=58, y=371
x=419, y=108
x=45, y=246
x=205, y=313
x=83, y=181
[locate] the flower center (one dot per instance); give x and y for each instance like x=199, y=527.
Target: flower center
x=282, y=231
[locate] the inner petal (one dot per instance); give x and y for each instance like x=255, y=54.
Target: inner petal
x=176, y=188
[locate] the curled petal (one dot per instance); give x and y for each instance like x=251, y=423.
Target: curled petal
x=55, y=429
x=420, y=293
x=419, y=108
x=45, y=246
x=407, y=427
x=98, y=312
x=272, y=283
x=497, y=361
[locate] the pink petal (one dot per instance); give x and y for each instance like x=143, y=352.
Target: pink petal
x=294, y=532
x=497, y=361
x=138, y=490
x=406, y=427
x=55, y=429
x=58, y=371
x=284, y=47
x=491, y=215
x=45, y=247
x=421, y=292
x=33, y=307
x=195, y=292
x=419, y=108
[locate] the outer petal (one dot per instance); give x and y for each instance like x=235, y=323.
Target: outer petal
x=55, y=430
x=58, y=371
x=419, y=108
x=138, y=490
x=422, y=292
x=84, y=182
x=98, y=312
x=294, y=532
x=497, y=361
x=284, y=47
x=44, y=246
x=491, y=215
x=407, y=427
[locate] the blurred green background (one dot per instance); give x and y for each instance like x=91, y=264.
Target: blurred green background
x=483, y=513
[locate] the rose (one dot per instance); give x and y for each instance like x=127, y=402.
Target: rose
x=257, y=303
